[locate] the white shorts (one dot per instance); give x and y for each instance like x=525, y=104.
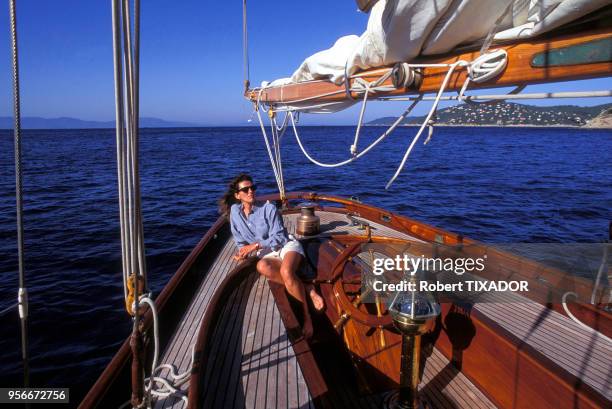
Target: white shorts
x=291, y=245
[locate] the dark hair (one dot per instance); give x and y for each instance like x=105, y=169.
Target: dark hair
x=228, y=198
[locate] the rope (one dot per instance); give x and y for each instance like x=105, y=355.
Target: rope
x=169, y=388
x=485, y=67
x=22, y=294
x=426, y=121
x=126, y=113
x=126, y=58
x=119, y=129
x=142, y=268
x=366, y=150
x=367, y=86
x=277, y=134
x=576, y=320
x=135, y=227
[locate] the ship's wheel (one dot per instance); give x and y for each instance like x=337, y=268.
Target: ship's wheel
x=349, y=269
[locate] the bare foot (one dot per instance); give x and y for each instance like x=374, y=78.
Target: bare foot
x=317, y=301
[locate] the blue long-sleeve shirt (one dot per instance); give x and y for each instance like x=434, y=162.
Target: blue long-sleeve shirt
x=263, y=225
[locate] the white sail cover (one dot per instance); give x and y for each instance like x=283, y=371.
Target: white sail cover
x=400, y=30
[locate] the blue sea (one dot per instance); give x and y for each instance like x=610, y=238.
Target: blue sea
x=498, y=185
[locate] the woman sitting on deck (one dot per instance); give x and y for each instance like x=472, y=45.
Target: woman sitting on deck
x=259, y=227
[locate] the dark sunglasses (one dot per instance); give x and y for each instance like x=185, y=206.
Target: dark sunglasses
x=246, y=189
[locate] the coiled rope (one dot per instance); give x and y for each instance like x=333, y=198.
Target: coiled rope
x=169, y=388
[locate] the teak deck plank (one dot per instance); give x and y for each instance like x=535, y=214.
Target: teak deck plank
x=443, y=384
x=262, y=379
x=249, y=366
x=247, y=344
x=220, y=374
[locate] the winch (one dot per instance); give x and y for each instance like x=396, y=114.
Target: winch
x=308, y=224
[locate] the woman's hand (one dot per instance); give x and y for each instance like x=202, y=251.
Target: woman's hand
x=244, y=251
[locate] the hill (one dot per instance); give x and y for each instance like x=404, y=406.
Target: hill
x=603, y=120
x=508, y=114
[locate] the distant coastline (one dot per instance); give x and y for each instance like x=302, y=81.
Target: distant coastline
x=446, y=125
x=34, y=122
x=500, y=114
x=506, y=114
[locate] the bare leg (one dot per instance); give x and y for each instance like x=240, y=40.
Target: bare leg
x=288, y=269
x=285, y=273
x=270, y=268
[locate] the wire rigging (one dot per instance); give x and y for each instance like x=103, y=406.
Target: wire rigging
x=245, y=47
x=22, y=294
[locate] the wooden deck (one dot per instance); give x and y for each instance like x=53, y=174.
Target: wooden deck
x=178, y=351
x=583, y=353
x=255, y=367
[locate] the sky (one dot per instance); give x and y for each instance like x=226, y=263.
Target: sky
x=191, y=58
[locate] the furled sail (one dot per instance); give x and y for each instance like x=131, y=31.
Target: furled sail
x=400, y=30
